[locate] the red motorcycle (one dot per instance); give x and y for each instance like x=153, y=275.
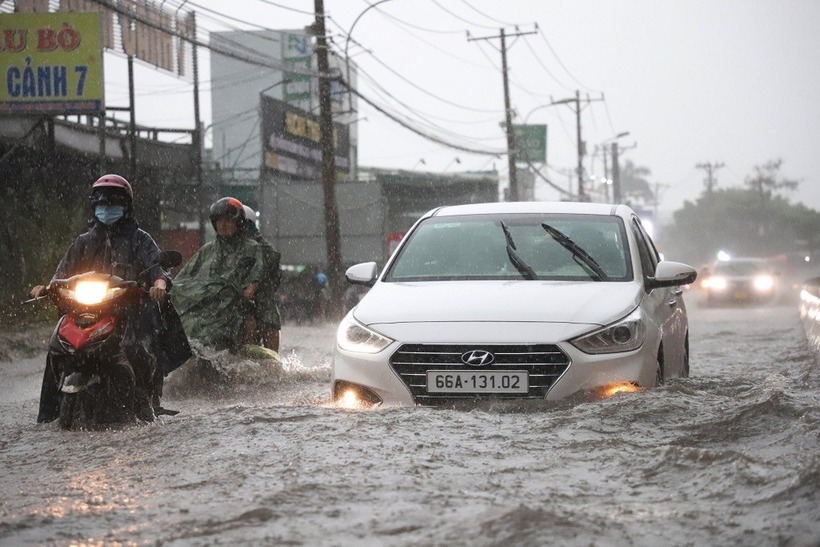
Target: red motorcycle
x=96, y=382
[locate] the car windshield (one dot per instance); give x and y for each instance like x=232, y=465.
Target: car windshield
x=740, y=268
x=476, y=247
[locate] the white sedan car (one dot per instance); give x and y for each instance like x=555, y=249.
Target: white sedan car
x=528, y=300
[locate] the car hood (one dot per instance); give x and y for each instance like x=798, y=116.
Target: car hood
x=587, y=303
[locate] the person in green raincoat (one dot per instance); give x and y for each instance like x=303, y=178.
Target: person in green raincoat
x=215, y=290
x=266, y=320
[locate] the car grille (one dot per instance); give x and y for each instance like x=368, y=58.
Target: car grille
x=544, y=363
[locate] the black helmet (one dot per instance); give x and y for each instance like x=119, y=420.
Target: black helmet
x=230, y=208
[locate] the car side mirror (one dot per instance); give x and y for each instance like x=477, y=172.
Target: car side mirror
x=672, y=274
x=363, y=274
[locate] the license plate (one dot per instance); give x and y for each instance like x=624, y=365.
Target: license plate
x=449, y=381
x=741, y=295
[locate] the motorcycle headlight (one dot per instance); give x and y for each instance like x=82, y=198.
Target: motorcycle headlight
x=90, y=292
x=353, y=336
x=625, y=335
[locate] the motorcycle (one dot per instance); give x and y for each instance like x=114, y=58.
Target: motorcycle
x=96, y=381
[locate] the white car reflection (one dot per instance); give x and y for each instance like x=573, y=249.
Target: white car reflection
x=514, y=300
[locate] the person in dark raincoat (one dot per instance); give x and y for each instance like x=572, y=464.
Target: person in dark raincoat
x=115, y=244
x=215, y=290
x=265, y=323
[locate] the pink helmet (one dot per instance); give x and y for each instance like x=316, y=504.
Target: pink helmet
x=114, y=181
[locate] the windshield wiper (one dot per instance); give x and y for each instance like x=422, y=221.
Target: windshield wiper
x=523, y=268
x=578, y=253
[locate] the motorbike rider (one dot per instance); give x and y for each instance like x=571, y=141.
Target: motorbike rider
x=114, y=244
x=266, y=322
x=215, y=290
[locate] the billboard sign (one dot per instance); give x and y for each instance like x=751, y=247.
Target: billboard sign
x=51, y=63
x=291, y=141
x=531, y=143
x=297, y=54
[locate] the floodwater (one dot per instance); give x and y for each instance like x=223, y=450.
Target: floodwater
x=730, y=456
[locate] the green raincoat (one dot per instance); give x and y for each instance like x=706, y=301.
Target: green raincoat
x=208, y=290
x=267, y=313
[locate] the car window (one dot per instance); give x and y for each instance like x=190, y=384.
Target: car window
x=475, y=247
x=646, y=250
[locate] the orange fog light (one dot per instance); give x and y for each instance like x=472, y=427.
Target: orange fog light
x=350, y=395
x=624, y=387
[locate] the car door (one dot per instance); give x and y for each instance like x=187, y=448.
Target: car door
x=665, y=304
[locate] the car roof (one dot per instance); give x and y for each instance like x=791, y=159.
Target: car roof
x=529, y=207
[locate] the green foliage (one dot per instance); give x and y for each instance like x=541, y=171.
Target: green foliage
x=38, y=225
x=767, y=181
x=743, y=223
x=634, y=181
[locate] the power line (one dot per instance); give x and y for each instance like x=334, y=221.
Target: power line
x=486, y=151
x=557, y=58
x=463, y=20
x=266, y=62
x=505, y=23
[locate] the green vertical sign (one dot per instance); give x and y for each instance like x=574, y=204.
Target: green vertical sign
x=530, y=143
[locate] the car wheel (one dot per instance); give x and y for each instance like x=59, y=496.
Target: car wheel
x=660, y=377
x=685, y=372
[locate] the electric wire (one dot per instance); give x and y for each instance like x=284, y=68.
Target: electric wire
x=434, y=138
x=540, y=62
x=412, y=111
x=475, y=9
x=425, y=91
x=463, y=20
x=560, y=62
x=278, y=5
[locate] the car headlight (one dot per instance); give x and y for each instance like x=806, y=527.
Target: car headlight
x=763, y=283
x=353, y=336
x=625, y=335
x=716, y=283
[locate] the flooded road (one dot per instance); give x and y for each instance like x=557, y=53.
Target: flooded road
x=730, y=456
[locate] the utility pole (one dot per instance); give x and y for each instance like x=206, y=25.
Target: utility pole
x=582, y=196
x=198, y=137
x=511, y=153
x=616, y=175
x=710, y=168
x=332, y=232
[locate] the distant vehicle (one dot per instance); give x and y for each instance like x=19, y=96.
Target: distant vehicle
x=740, y=281
x=301, y=294
x=514, y=301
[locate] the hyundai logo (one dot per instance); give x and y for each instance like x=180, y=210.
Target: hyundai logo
x=477, y=358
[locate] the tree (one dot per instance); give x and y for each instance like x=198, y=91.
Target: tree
x=766, y=180
x=634, y=181
x=736, y=220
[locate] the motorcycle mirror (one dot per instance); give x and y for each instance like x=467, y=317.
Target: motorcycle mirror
x=170, y=259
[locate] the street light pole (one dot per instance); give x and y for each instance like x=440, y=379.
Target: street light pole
x=347, y=44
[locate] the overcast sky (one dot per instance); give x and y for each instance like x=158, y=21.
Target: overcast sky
x=692, y=81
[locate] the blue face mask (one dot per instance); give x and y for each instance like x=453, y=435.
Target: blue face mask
x=109, y=214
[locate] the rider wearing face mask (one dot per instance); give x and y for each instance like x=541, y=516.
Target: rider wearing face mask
x=114, y=244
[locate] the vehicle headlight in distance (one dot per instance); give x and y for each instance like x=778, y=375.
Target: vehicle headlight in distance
x=355, y=337
x=716, y=283
x=625, y=335
x=763, y=283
